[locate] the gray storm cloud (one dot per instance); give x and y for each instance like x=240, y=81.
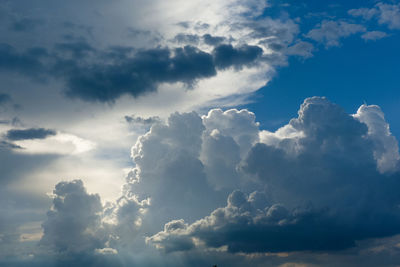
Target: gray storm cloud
x=319, y=183
x=73, y=221
x=327, y=179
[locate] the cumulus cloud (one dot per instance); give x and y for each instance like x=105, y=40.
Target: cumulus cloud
x=390, y=15
x=386, y=147
x=73, y=222
x=386, y=14
x=374, y=35
x=169, y=172
x=182, y=160
x=322, y=182
x=329, y=32
x=326, y=179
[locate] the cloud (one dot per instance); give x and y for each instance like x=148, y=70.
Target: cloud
x=390, y=15
x=243, y=226
x=27, y=62
x=386, y=14
x=386, y=147
x=322, y=182
x=226, y=56
x=169, y=172
x=365, y=13
x=54, y=143
x=137, y=75
x=140, y=120
x=72, y=223
x=126, y=72
x=92, y=61
x=4, y=98
x=12, y=159
x=8, y=145
x=27, y=134
x=186, y=158
x=187, y=38
x=329, y=32
x=301, y=49
x=228, y=137
x=325, y=180
x=25, y=24
x=76, y=49
x=374, y=35
x=213, y=40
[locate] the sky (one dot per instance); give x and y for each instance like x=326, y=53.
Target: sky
x=199, y=133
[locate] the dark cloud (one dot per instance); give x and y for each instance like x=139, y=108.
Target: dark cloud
x=247, y=227
x=104, y=76
x=27, y=62
x=8, y=145
x=4, y=98
x=213, y=40
x=135, y=75
x=76, y=49
x=187, y=38
x=226, y=56
x=25, y=24
x=73, y=220
x=326, y=180
x=32, y=133
x=141, y=120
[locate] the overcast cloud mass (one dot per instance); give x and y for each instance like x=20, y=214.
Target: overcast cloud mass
x=199, y=133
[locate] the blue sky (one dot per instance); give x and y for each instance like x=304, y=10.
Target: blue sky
x=350, y=75
x=201, y=132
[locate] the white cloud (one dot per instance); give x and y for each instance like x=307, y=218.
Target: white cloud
x=374, y=35
x=386, y=14
x=61, y=143
x=390, y=15
x=329, y=32
x=386, y=147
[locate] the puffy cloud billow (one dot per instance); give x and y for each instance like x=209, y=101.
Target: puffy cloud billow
x=73, y=223
x=322, y=182
x=326, y=180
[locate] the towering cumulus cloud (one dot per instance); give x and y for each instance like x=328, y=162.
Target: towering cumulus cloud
x=73, y=221
x=218, y=183
x=325, y=180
